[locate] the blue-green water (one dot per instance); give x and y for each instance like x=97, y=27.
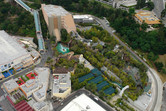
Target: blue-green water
x=62, y=49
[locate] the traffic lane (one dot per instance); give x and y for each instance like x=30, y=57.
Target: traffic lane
x=158, y=7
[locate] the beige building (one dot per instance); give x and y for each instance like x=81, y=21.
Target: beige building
x=10, y=85
x=147, y=17
x=61, y=85
x=30, y=87
x=37, y=87
x=56, y=19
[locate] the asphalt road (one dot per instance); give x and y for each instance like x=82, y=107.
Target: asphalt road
x=79, y=92
x=163, y=108
x=157, y=98
x=158, y=7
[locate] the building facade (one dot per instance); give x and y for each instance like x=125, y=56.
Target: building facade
x=57, y=18
x=13, y=54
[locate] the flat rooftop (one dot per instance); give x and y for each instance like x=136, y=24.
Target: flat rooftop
x=31, y=88
x=11, y=84
x=83, y=103
x=10, y=49
x=43, y=78
x=147, y=17
x=39, y=105
x=54, y=10
x=83, y=17
x=61, y=83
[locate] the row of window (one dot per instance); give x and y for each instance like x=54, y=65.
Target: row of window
x=6, y=66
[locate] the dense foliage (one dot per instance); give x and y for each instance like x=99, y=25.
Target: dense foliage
x=123, y=22
x=16, y=20
x=99, y=57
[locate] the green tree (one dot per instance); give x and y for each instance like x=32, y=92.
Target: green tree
x=163, y=13
x=95, y=39
x=144, y=26
x=132, y=11
x=159, y=66
x=150, y=5
x=64, y=35
x=19, y=81
x=99, y=47
x=152, y=57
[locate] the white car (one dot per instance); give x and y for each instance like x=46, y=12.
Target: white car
x=113, y=31
x=96, y=98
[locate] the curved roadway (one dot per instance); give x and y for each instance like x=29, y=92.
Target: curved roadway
x=157, y=97
x=159, y=6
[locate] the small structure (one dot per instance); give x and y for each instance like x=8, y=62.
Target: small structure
x=1, y=76
x=86, y=63
x=10, y=85
x=83, y=19
x=61, y=85
x=124, y=3
x=40, y=106
x=146, y=17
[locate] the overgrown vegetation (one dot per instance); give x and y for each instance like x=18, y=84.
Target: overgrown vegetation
x=16, y=20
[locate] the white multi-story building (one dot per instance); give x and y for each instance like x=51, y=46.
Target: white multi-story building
x=12, y=54
x=83, y=19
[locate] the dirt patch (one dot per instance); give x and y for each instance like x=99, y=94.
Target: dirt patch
x=162, y=58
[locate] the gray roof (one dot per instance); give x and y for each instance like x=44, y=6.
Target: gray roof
x=55, y=10
x=31, y=88
x=39, y=105
x=10, y=49
x=43, y=78
x=61, y=83
x=11, y=84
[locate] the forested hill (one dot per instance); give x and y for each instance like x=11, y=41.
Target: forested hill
x=130, y=31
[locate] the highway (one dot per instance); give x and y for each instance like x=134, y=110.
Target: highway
x=157, y=98
x=159, y=6
x=79, y=92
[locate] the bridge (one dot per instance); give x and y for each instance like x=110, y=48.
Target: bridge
x=122, y=91
x=26, y=7
x=39, y=31
x=41, y=46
